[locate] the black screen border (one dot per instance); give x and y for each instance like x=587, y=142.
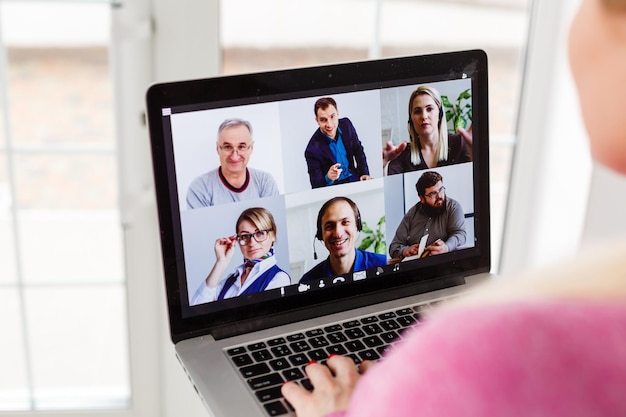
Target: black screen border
x=186, y=321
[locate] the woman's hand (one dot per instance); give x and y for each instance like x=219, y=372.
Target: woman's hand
x=225, y=247
x=333, y=385
x=391, y=152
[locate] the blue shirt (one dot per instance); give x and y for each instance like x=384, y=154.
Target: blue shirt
x=363, y=260
x=341, y=156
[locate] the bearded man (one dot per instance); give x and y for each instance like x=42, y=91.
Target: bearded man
x=435, y=225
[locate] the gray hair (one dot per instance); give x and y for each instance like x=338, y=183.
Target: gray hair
x=228, y=123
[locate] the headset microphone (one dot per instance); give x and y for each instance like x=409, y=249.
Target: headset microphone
x=314, y=251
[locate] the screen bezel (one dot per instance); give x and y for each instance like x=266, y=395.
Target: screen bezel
x=186, y=321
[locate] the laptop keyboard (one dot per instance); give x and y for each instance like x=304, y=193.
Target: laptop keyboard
x=266, y=364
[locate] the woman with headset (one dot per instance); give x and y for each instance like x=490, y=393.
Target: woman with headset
x=256, y=234
x=431, y=145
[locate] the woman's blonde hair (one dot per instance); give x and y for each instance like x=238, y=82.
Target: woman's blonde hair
x=258, y=216
x=442, y=125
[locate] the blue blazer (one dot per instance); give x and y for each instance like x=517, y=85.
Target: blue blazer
x=319, y=157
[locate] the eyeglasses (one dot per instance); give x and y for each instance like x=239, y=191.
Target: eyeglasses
x=229, y=149
x=260, y=236
x=435, y=194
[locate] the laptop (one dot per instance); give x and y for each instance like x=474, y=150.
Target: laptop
x=238, y=341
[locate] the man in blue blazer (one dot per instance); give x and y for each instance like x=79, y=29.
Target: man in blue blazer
x=334, y=154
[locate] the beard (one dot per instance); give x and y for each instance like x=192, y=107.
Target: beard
x=432, y=211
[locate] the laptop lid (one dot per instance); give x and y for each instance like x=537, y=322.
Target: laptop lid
x=284, y=150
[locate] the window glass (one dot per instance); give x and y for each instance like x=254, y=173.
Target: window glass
x=77, y=351
x=60, y=96
x=72, y=180
x=63, y=247
x=62, y=284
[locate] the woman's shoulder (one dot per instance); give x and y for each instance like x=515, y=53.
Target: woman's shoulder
x=280, y=279
x=271, y=264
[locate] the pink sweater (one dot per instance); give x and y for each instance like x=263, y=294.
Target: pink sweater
x=559, y=358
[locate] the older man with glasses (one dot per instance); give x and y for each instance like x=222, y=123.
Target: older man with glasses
x=232, y=180
x=435, y=225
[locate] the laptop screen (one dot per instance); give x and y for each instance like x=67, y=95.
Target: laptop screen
x=292, y=189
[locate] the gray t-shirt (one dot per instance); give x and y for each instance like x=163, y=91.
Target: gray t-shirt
x=211, y=189
x=449, y=227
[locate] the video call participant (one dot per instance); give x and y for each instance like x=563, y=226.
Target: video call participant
x=430, y=145
x=435, y=215
x=232, y=180
x=256, y=234
x=338, y=226
x=334, y=154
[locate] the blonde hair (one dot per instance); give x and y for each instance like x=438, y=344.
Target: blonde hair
x=442, y=126
x=258, y=216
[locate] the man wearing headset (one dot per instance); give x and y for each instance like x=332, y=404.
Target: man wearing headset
x=436, y=224
x=338, y=226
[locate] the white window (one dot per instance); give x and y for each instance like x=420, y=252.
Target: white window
x=63, y=309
